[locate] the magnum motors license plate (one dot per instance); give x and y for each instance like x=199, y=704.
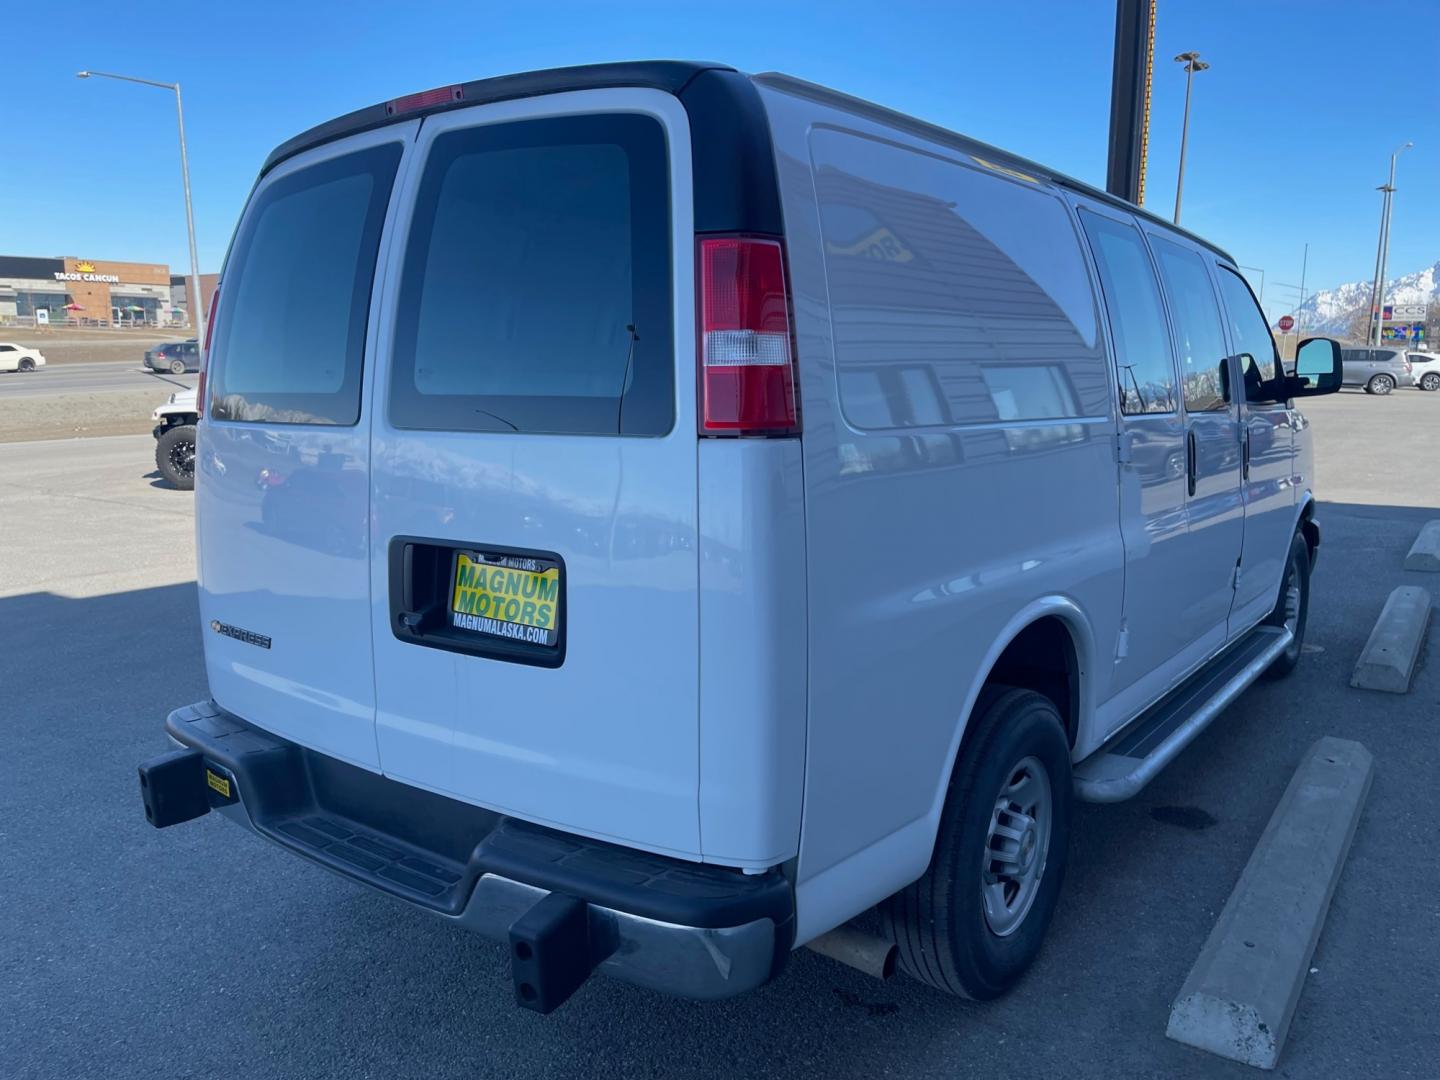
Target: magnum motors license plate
x=515, y=597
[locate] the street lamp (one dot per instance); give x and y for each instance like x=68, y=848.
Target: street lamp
x=199, y=304
x=1261, y=271
x=1192, y=63
x=1382, y=253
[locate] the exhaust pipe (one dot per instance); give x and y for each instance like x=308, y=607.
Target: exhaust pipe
x=864, y=952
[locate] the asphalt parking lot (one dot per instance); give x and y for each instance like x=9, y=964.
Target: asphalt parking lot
x=202, y=951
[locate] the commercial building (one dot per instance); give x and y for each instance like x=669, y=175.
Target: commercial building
x=181, y=299
x=86, y=292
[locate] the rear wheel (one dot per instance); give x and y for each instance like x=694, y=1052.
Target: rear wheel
x=175, y=456
x=974, y=922
x=1292, y=608
x=1430, y=380
x=177, y=367
x=1380, y=384
x=26, y=364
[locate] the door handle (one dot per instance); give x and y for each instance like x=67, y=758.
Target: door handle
x=1245, y=454
x=1190, y=459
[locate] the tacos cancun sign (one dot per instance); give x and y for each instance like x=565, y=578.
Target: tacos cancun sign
x=85, y=271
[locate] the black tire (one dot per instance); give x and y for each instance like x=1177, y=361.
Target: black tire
x=26, y=364
x=1380, y=384
x=1297, y=572
x=940, y=923
x=1430, y=381
x=175, y=456
x=177, y=367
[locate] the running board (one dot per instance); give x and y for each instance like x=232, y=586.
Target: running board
x=1132, y=758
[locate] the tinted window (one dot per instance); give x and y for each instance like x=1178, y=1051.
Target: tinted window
x=1251, y=335
x=290, y=334
x=957, y=294
x=536, y=247
x=1386, y=356
x=1196, y=318
x=1137, y=318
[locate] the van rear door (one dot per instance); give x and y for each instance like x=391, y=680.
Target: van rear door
x=283, y=461
x=533, y=480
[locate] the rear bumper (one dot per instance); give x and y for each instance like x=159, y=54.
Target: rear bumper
x=682, y=928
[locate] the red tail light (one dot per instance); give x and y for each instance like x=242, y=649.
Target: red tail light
x=747, y=359
x=200, y=406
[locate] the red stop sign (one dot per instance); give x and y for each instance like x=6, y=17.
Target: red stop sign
x=1286, y=323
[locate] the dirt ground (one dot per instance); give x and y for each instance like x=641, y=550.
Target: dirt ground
x=72, y=416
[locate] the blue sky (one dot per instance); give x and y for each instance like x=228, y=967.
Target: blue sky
x=1291, y=128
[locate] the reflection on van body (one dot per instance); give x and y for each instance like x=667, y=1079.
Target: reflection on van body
x=980, y=322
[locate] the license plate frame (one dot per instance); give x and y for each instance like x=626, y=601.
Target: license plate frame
x=422, y=594
x=506, y=597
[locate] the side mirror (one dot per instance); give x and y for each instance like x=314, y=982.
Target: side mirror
x=1318, y=369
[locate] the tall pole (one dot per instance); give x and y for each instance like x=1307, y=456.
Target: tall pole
x=1192, y=63
x=1372, y=334
x=1145, y=121
x=1384, y=253
x=1299, y=308
x=190, y=225
x=1127, y=94
x=198, y=317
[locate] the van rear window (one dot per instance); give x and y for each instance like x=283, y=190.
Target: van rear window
x=290, y=333
x=536, y=294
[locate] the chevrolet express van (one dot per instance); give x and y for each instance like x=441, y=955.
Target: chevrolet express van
x=650, y=515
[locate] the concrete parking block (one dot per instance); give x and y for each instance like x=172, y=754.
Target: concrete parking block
x=1425, y=552
x=1241, y=994
x=1388, y=659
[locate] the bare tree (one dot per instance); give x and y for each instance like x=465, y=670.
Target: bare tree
x=1358, y=329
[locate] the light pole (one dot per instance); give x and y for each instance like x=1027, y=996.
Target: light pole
x=1261, y=271
x=1192, y=63
x=1382, y=254
x=198, y=316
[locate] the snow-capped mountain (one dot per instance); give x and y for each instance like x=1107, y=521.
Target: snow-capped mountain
x=1331, y=311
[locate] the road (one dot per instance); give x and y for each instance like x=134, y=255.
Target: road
x=202, y=951
x=104, y=377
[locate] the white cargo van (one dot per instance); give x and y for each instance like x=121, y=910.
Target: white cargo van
x=651, y=514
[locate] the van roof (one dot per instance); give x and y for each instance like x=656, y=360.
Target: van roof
x=672, y=76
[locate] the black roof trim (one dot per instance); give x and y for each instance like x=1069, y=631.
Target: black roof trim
x=671, y=76
x=927, y=130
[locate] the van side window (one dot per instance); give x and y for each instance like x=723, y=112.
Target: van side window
x=1137, y=318
x=290, y=334
x=537, y=294
x=1196, y=317
x=958, y=295
x=1258, y=358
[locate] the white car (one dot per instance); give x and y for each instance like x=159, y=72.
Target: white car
x=175, y=439
x=1425, y=368
x=788, y=510
x=19, y=358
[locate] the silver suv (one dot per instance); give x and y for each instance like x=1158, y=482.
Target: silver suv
x=1378, y=370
